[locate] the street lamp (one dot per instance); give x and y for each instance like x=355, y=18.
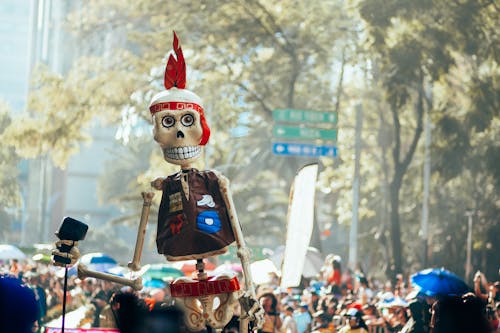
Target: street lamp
x=468, y=264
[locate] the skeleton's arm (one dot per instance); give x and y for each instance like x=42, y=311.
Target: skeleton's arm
x=84, y=272
x=141, y=232
x=134, y=265
x=249, y=302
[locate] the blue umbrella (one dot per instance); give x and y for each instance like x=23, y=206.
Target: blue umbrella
x=97, y=258
x=98, y=261
x=439, y=282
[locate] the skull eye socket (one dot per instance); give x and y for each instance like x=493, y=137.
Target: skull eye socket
x=168, y=121
x=187, y=120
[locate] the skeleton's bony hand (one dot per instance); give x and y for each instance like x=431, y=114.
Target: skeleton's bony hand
x=259, y=316
x=252, y=309
x=65, y=259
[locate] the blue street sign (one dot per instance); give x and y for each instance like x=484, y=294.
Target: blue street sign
x=303, y=149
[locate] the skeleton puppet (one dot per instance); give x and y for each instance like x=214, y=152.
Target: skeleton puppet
x=196, y=218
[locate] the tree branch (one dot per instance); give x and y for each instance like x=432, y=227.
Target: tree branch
x=288, y=46
x=276, y=27
x=419, y=128
x=341, y=81
x=252, y=93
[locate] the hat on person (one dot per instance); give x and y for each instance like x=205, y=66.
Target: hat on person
x=353, y=312
x=355, y=305
x=19, y=309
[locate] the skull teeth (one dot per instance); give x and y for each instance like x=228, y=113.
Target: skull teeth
x=182, y=153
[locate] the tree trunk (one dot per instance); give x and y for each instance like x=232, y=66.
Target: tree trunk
x=400, y=168
x=397, y=249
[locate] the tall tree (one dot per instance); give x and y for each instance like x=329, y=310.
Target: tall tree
x=9, y=187
x=416, y=44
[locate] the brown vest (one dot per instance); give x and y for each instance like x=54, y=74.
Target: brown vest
x=195, y=228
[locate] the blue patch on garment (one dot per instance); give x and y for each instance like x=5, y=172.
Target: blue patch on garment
x=209, y=221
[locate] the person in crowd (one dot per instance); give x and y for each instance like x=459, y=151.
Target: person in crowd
x=19, y=310
x=99, y=301
x=364, y=292
x=14, y=267
x=314, y=301
x=488, y=292
x=399, y=286
x=417, y=321
x=334, y=275
x=459, y=315
x=163, y=319
x=289, y=324
x=33, y=282
x=125, y=311
x=491, y=316
x=303, y=318
x=400, y=319
x=497, y=315
x=109, y=288
x=372, y=318
x=272, y=320
x=321, y=323
x=354, y=322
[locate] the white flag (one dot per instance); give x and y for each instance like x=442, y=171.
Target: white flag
x=299, y=225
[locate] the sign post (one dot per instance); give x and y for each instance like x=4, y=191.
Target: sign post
x=321, y=126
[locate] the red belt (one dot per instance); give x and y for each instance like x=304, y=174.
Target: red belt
x=204, y=287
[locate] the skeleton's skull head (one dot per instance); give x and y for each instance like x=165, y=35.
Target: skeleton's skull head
x=179, y=125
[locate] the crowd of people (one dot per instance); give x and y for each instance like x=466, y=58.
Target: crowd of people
x=344, y=301
x=336, y=301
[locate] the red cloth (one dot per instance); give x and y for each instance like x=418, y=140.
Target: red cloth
x=204, y=287
x=334, y=277
x=355, y=305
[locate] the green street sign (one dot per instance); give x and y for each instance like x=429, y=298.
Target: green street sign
x=304, y=116
x=295, y=132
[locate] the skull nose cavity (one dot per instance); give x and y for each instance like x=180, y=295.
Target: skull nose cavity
x=180, y=134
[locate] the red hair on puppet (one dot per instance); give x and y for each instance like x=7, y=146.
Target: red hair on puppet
x=176, y=96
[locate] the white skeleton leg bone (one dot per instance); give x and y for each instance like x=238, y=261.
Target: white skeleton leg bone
x=73, y=254
x=141, y=232
x=84, y=272
x=249, y=303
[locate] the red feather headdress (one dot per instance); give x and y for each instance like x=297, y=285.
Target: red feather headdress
x=175, y=73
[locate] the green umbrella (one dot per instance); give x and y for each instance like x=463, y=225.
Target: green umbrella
x=161, y=272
